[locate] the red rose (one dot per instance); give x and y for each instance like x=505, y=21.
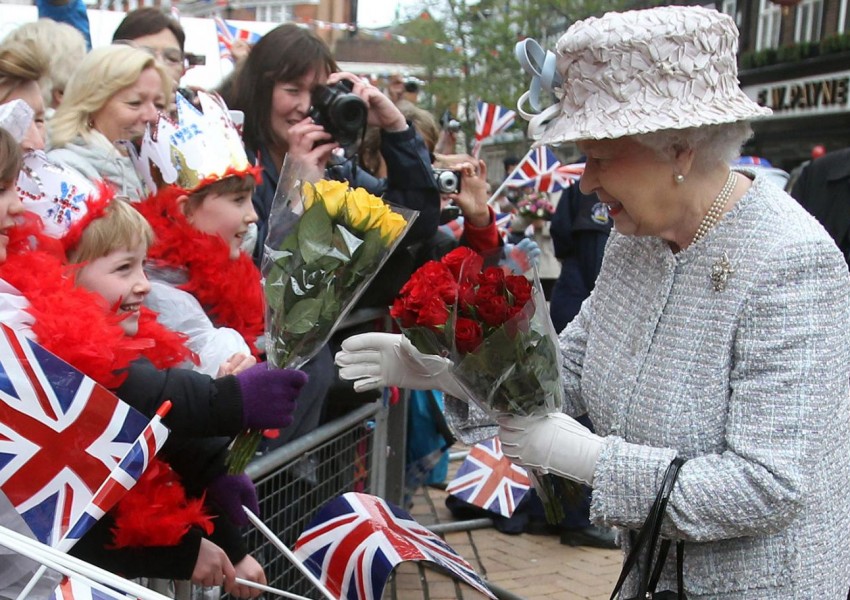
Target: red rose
x=493, y=310
x=399, y=311
x=434, y=314
x=485, y=292
x=492, y=276
x=463, y=263
x=520, y=289
x=468, y=335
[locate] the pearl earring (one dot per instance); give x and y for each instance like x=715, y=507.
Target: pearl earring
x=679, y=178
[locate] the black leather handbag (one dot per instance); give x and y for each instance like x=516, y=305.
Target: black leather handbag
x=647, y=537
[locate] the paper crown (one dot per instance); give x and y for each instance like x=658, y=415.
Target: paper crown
x=16, y=117
x=55, y=193
x=200, y=148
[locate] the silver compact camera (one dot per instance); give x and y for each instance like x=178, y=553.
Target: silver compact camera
x=448, y=181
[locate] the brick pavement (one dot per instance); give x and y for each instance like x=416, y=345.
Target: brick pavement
x=533, y=567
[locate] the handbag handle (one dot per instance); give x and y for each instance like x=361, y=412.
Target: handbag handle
x=648, y=537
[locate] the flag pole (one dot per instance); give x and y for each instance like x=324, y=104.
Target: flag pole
x=276, y=541
x=269, y=589
x=505, y=182
x=73, y=567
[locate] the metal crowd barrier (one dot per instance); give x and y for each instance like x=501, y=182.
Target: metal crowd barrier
x=294, y=481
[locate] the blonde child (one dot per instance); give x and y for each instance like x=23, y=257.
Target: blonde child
x=107, y=241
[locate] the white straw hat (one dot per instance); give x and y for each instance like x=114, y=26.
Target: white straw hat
x=642, y=71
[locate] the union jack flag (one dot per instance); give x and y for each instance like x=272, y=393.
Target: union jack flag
x=356, y=541
x=61, y=438
x=539, y=169
x=227, y=34
x=489, y=480
x=572, y=172
x=490, y=119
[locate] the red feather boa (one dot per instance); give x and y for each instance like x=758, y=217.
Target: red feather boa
x=75, y=325
x=156, y=512
x=229, y=290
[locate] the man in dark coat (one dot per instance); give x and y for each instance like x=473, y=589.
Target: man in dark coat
x=823, y=189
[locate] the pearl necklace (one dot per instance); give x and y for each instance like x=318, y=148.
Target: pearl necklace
x=713, y=215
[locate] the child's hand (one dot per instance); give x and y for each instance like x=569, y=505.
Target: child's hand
x=250, y=570
x=212, y=568
x=230, y=493
x=236, y=364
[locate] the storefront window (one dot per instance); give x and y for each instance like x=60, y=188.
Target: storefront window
x=808, y=22
x=729, y=7
x=770, y=19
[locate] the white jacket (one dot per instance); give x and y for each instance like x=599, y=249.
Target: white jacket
x=180, y=311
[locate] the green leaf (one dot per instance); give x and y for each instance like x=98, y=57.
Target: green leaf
x=366, y=256
x=330, y=306
x=302, y=317
x=315, y=234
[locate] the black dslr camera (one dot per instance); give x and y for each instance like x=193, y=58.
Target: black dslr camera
x=342, y=114
x=448, y=181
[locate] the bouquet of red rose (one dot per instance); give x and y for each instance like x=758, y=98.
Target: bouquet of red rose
x=495, y=327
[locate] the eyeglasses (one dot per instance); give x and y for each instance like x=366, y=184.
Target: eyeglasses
x=168, y=56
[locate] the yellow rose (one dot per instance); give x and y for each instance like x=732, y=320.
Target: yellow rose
x=363, y=210
x=391, y=226
x=308, y=195
x=333, y=195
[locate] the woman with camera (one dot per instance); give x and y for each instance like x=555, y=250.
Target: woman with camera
x=298, y=104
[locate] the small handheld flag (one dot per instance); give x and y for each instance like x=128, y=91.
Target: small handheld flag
x=488, y=480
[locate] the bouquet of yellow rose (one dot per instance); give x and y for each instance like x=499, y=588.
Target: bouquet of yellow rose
x=337, y=240
x=326, y=243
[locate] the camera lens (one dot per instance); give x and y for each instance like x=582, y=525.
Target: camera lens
x=447, y=182
x=348, y=113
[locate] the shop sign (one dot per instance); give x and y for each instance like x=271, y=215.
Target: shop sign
x=806, y=96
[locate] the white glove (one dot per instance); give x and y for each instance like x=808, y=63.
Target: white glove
x=376, y=360
x=554, y=443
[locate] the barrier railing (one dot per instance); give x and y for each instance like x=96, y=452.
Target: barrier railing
x=294, y=480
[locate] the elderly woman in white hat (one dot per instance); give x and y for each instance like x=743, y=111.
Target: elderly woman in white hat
x=717, y=331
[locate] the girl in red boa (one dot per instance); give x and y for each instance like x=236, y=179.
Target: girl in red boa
x=203, y=284
x=120, y=341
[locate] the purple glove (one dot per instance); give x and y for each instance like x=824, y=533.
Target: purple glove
x=268, y=396
x=230, y=493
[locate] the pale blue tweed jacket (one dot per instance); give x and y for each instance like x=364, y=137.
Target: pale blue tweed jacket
x=750, y=384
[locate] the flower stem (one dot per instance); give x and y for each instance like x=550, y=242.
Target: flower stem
x=242, y=450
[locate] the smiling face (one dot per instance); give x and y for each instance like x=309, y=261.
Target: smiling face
x=291, y=102
x=226, y=214
x=126, y=113
x=119, y=278
x=634, y=182
x=10, y=207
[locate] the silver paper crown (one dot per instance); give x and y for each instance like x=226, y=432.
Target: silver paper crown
x=16, y=118
x=201, y=147
x=55, y=193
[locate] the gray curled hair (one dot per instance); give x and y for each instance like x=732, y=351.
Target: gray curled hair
x=712, y=144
